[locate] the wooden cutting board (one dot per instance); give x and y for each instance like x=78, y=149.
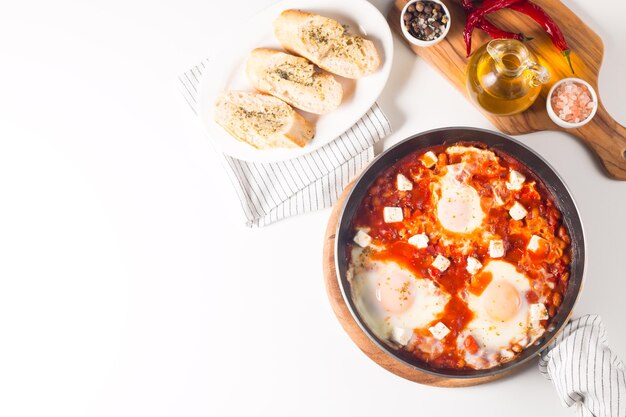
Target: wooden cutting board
x=603, y=134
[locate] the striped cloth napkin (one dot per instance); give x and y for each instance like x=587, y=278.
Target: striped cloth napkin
x=586, y=373
x=269, y=192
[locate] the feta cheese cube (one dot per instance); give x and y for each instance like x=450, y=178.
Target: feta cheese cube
x=506, y=354
x=441, y=263
x=401, y=335
x=538, y=312
x=362, y=239
x=516, y=179
x=496, y=248
x=517, y=212
x=533, y=243
x=420, y=241
x=473, y=265
x=392, y=214
x=403, y=183
x=429, y=159
x=439, y=330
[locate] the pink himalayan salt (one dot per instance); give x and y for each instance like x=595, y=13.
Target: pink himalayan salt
x=572, y=101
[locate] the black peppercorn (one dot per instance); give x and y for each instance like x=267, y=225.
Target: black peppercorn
x=425, y=20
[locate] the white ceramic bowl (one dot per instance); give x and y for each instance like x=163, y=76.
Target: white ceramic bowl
x=412, y=38
x=556, y=119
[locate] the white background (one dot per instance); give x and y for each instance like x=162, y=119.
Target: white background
x=130, y=287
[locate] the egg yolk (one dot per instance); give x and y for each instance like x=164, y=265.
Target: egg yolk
x=501, y=300
x=458, y=209
x=395, y=293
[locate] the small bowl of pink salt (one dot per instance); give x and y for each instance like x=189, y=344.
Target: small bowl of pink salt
x=572, y=103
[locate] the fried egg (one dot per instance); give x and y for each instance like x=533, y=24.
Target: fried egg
x=458, y=207
x=393, y=301
x=502, y=315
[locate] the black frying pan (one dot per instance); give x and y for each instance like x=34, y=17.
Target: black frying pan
x=498, y=142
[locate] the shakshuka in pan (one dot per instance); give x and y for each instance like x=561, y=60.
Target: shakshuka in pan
x=460, y=257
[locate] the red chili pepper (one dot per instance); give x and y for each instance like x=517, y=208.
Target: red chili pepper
x=549, y=25
x=477, y=15
x=490, y=29
x=497, y=33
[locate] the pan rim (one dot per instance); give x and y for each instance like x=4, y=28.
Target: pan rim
x=503, y=368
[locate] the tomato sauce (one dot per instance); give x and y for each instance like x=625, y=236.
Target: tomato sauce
x=547, y=268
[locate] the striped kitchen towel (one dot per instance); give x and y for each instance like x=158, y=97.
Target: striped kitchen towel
x=586, y=373
x=269, y=192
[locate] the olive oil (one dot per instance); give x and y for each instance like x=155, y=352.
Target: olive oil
x=503, y=77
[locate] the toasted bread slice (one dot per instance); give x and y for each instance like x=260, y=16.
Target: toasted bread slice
x=326, y=43
x=293, y=79
x=261, y=120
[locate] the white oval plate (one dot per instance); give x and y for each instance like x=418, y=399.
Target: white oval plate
x=226, y=71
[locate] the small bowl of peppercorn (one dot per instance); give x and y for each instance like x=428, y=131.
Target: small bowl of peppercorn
x=425, y=22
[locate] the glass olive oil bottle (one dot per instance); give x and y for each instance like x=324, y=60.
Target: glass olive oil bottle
x=503, y=77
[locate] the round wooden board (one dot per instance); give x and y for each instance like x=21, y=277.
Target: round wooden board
x=359, y=337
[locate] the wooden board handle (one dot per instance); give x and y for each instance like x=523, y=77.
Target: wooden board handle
x=608, y=139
